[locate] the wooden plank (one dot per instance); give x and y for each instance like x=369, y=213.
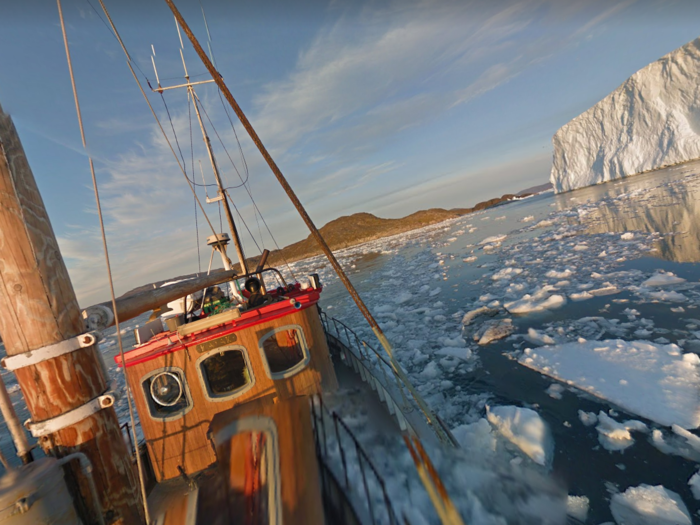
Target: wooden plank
x=38, y=307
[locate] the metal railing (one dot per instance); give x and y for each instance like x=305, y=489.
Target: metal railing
x=337, y=445
x=375, y=370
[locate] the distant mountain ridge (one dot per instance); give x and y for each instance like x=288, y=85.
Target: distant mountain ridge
x=358, y=228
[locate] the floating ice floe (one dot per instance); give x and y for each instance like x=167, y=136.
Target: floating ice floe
x=525, y=429
x=647, y=505
x=538, y=338
x=493, y=330
x=679, y=442
x=694, y=483
x=493, y=239
x=577, y=507
x=663, y=279
x=542, y=299
x=615, y=436
x=655, y=381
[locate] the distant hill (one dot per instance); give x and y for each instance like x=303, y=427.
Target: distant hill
x=358, y=228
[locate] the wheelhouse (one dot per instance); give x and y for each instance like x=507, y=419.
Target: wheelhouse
x=206, y=363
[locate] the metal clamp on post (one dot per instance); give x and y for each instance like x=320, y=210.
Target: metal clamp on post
x=71, y=417
x=49, y=352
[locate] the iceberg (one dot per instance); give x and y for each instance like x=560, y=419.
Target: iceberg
x=651, y=121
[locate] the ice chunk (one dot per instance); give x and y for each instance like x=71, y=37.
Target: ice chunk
x=614, y=436
x=555, y=274
x=554, y=391
x=536, y=302
x=525, y=429
x=663, y=279
x=670, y=296
x=628, y=236
x=587, y=418
x=493, y=240
x=647, y=505
x=694, y=483
x=461, y=353
x=494, y=330
x=473, y=314
x=470, y=259
x=506, y=273
x=538, y=338
x=654, y=381
x=577, y=507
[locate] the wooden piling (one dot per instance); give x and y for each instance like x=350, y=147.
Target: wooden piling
x=38, y=307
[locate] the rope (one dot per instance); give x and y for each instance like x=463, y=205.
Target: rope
x=130, y=401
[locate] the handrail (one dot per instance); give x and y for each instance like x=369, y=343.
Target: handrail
x=319, y=415
x=344, y=337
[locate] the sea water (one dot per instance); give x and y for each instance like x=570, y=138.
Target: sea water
x=545, y=254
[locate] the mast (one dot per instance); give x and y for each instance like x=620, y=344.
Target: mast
x=428, y=413
x=57, y=365
x=221, y=191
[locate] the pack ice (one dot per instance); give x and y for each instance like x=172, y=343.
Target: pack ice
x=652, y=120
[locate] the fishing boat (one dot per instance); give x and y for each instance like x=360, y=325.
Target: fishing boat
x=227, y=380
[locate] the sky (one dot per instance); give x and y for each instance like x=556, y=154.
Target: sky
x=386, y=107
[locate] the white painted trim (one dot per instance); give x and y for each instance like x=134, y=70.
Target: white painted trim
x=49, y=352
x=234, y=393
x=296, y=368
x=71, y=417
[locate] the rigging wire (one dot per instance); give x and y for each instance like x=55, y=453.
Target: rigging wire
x=129, y=398
x=196, y=225
x=155, y=116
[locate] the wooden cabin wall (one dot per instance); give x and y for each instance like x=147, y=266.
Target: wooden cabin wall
x=300, y=484
x=184, y=442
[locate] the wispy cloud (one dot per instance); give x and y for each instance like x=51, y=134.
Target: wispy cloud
x=364, y=81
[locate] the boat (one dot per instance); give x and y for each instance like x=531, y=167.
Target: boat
x=229, y=380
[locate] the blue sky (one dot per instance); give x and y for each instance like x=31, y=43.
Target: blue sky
x=378, y=106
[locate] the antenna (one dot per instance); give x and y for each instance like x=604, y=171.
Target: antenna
x=153, y=61
x=211, y=53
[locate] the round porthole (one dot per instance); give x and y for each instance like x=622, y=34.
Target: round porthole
x=166, y=389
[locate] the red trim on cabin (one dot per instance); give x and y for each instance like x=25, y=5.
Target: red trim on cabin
x=169, y=342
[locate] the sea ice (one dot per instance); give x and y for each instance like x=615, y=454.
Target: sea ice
x=542, y=299
x=493, y=239
x=670, y=296
x=525, y=429
x=577, y=507
x=493, y=330
x=655, y=381
x=663, y=279
x=614, y=436
x=587, y=418
x=647, y=505
x=538, y=338
x=554, y=390
x=694, y=483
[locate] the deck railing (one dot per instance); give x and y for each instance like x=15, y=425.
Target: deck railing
x=375, y=370
x=347, y=467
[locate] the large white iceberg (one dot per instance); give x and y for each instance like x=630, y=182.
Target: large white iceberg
x=652, y=120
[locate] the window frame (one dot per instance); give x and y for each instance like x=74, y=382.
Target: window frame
x=297, y=367
x=150, y=403
x=204, y=383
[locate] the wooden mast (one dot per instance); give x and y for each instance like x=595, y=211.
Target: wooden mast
x=38, y=308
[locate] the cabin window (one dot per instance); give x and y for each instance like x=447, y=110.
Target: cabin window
x=285, y=351
x=254, y=469
x=225, y=373
x=166, y=393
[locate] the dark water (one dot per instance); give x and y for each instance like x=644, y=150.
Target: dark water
x=667, y=202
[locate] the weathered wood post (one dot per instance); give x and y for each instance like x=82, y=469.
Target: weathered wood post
x=56, y=363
